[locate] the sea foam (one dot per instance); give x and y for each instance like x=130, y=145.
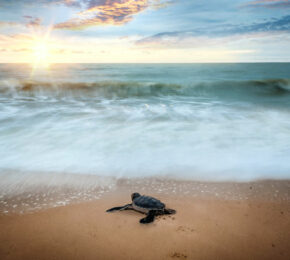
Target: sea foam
x=198, y=122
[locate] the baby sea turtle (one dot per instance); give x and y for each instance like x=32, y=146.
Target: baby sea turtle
x=145, y=204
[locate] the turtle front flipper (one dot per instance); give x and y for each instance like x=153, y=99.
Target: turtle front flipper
x=169, y=211
x=126, y=207
x=149, y=218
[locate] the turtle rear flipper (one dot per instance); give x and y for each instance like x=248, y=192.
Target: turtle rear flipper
x=149, y=218
x=169, y=211
x=126, y=207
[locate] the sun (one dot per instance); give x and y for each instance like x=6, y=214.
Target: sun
x=41, y=53
x=41, y=47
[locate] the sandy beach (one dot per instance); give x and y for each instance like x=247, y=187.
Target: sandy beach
x=205, y=227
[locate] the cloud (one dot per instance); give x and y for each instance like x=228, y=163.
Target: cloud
x=32, y=21
x=7, y=24
x=114, y=13
x=89, y=12
x=268, y=4
x=7, y=4
x=211, y=35
x=21, y=50
x=273, y=25
x=15, y=38
x=109, y=12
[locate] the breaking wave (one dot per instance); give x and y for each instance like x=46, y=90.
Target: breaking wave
x=238, y=89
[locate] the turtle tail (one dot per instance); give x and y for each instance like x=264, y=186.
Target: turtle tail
x=169, y=211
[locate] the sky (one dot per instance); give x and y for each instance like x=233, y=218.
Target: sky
x=149, y=31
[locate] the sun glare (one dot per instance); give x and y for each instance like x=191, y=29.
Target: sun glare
x=41, y=54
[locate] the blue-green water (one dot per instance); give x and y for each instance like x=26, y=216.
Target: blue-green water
x=192, y=121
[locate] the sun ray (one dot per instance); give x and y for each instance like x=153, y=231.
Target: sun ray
x=41, y=49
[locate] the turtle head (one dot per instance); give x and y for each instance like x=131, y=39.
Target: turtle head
x=135, y=195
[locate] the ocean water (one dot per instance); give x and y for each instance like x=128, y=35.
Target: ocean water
x=213, y=122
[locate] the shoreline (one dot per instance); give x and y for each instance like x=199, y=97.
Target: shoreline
x=252, y=225
x=60, y=190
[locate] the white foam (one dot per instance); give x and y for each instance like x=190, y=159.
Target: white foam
x=220, y=136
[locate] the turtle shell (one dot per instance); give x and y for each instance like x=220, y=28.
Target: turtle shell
x=149, y=203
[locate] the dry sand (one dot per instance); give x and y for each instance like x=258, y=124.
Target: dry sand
x=203, y=228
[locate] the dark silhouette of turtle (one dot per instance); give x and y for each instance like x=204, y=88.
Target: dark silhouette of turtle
x=145, y=204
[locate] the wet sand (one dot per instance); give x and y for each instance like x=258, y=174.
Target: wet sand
x=205, y=227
